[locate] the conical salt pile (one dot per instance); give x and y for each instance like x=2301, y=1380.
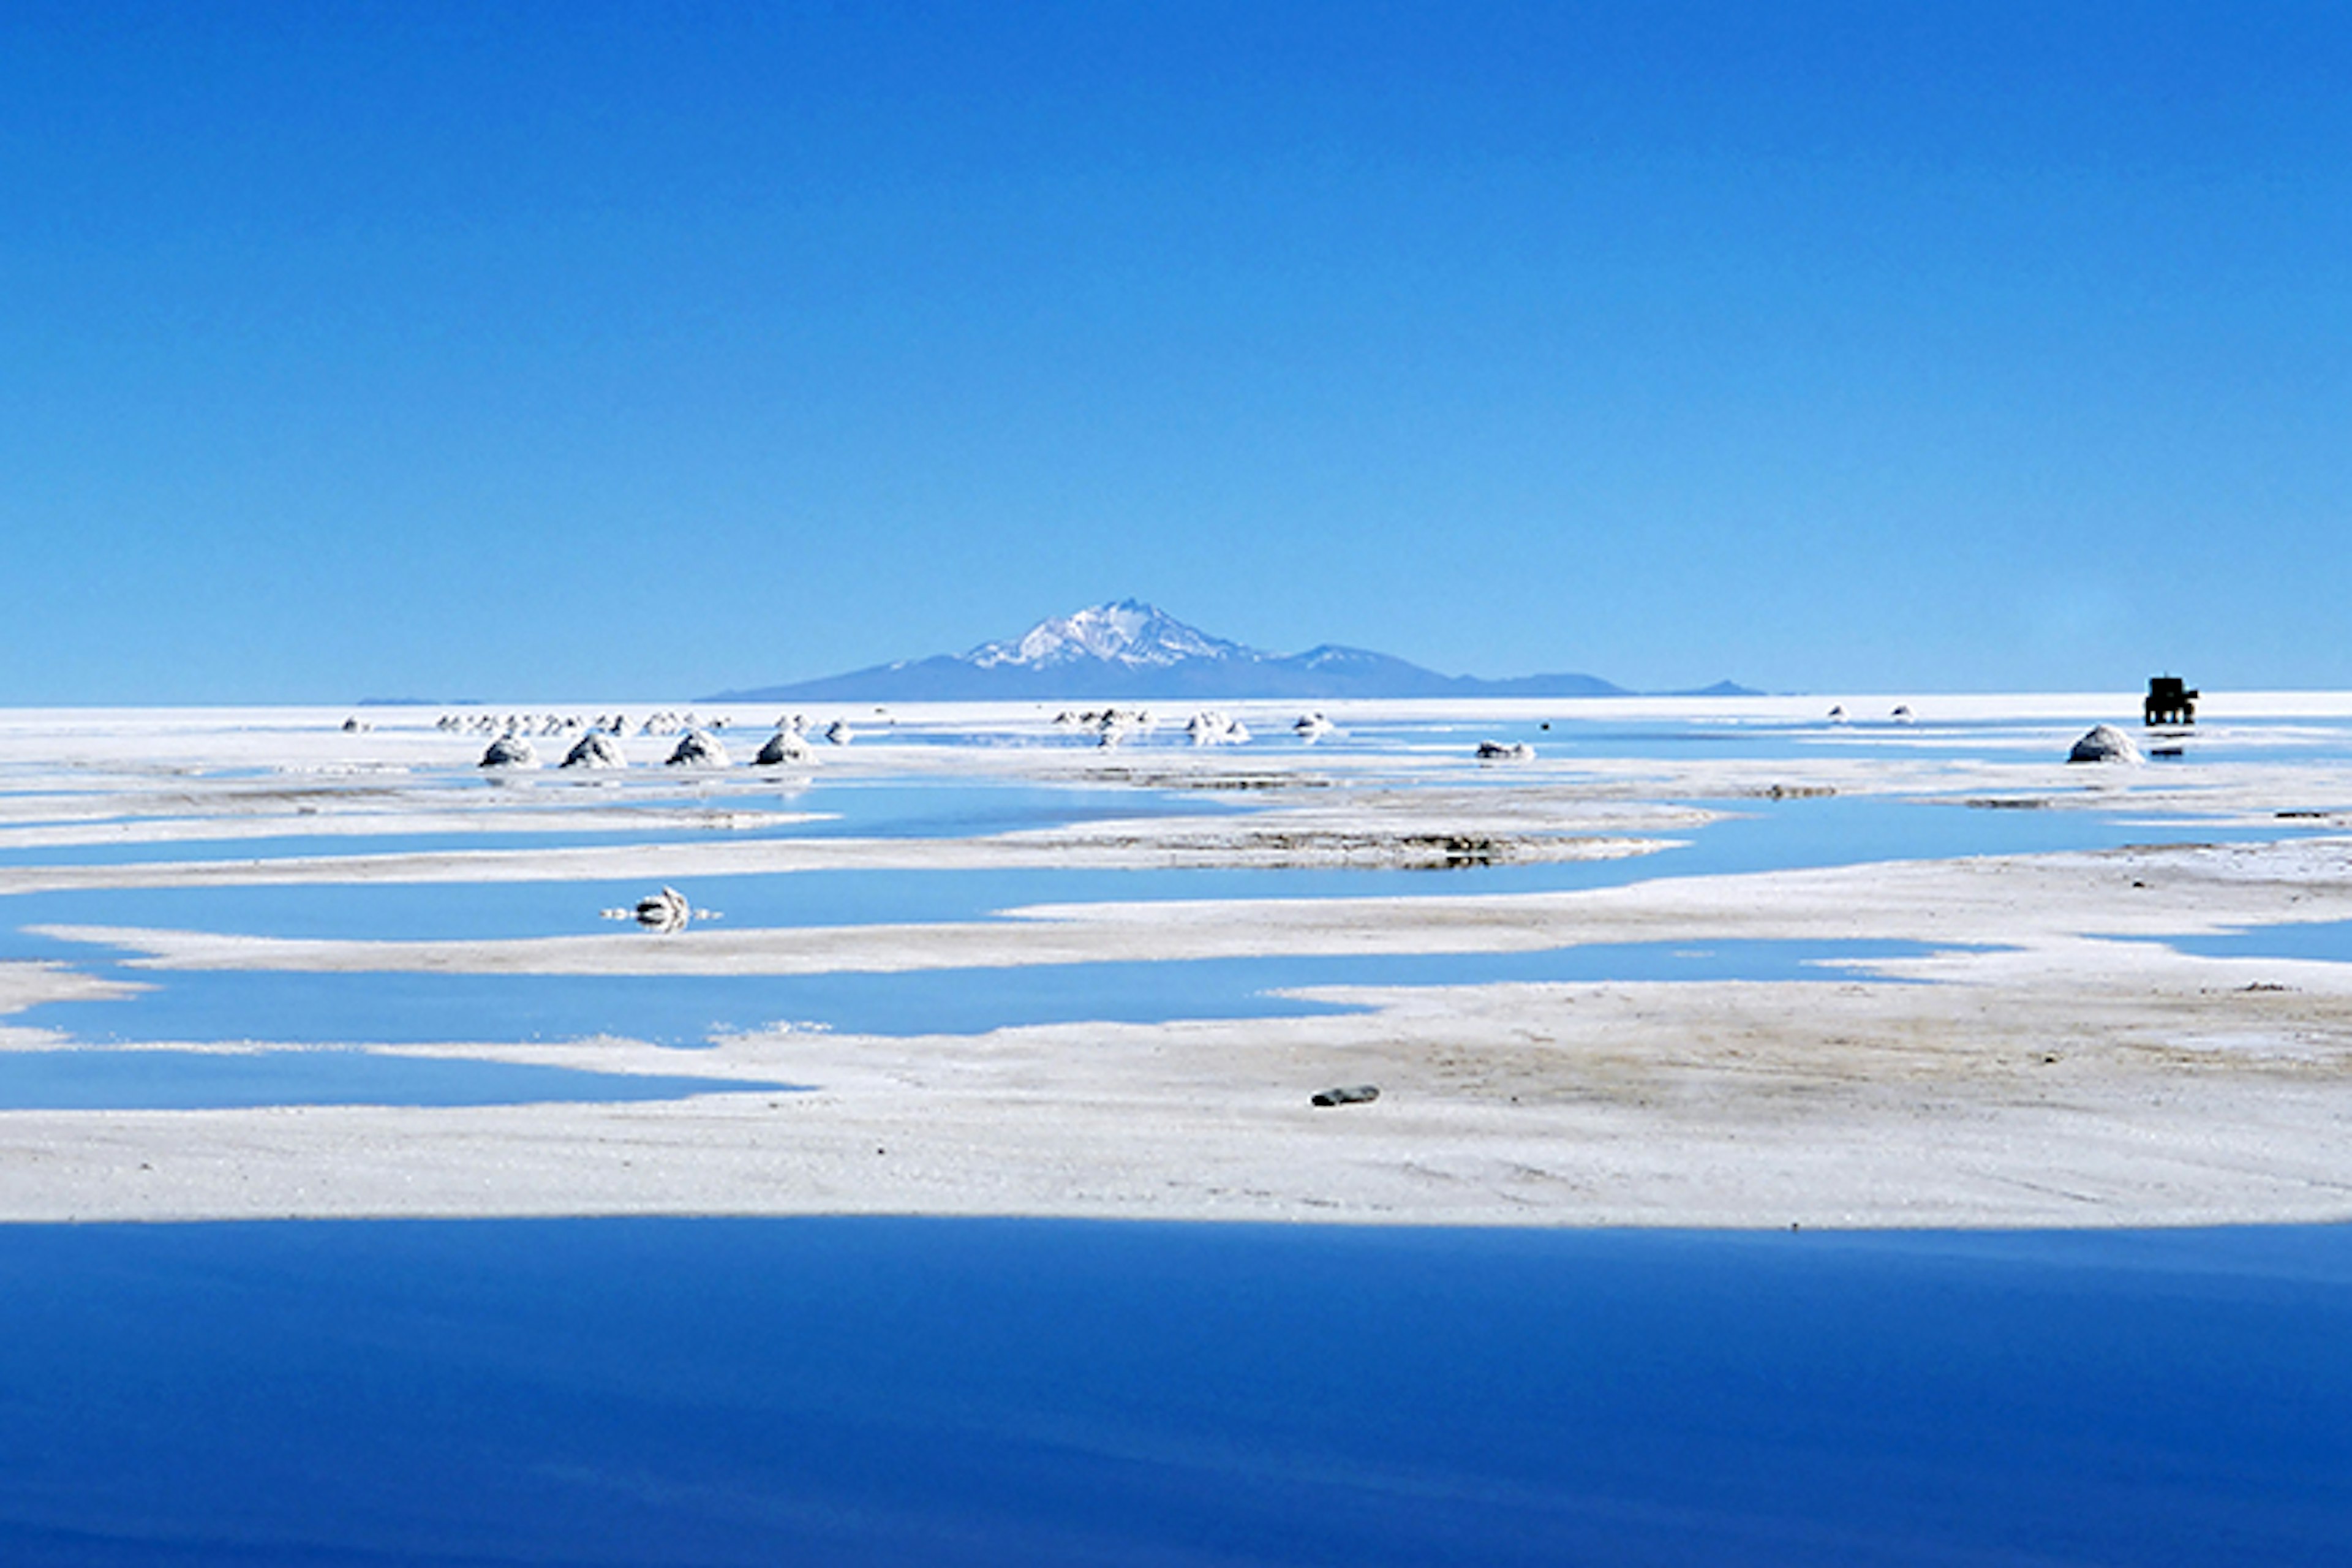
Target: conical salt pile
x=2104, y=744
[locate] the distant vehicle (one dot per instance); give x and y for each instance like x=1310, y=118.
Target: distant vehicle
x=2170, y=701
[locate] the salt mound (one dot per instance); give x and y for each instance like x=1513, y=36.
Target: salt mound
x=2104, y=744
x=594, y=750
x=665, y=911
x=839, y=732
x=698, y=749
x=783, y=746
x=1215, y=729
x=1505, y=751
x=510, y=751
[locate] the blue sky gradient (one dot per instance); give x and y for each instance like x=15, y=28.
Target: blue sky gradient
x=359, y=350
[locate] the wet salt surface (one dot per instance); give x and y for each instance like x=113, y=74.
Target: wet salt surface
x=1762, y=836
x=1867, y=736
x=364, y=1008
x=848, y=810
x=188, y=1080
x=890, y=1391
x=214, y=1006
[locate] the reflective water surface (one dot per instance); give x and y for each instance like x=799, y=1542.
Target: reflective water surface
x=909, y=1391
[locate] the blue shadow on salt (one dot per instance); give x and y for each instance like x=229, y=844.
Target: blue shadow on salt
x=206, y=1005
x=898, y=1392
x=211, y=1081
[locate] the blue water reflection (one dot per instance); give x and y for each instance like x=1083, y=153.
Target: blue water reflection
x=189, y=1080
x=2326, y=941
x=202, y=1005
x=885, y=1392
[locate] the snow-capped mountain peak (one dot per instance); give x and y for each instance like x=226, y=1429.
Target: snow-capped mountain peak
x=1127, y=633
x=1129, y=649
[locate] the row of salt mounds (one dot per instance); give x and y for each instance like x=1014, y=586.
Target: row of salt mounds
x=783, y=746
x=698, y=749
x=1215, y=729
x=668, y=723
x=2104, y=744
x=509, y=723
x=1505, y=752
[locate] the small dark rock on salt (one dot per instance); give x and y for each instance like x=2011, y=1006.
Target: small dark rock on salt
x=1351, y=1094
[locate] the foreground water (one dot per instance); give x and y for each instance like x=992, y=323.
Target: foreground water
x=883, y=1392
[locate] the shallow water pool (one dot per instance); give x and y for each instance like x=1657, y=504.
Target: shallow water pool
x=191, y=1081
x=293, y=1008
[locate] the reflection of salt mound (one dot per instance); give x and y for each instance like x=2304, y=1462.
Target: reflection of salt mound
x=510, y=751
x=783, y=746
x=2105, y=744
x=594, y=750
x=698, y=749
x=1505, y=751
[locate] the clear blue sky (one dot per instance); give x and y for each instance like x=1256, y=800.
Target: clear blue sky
x=388, y=348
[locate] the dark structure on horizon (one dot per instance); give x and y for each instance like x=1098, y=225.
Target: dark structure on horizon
x=2170, y=701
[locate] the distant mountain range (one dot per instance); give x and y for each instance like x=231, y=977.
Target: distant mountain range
x=1130, y=649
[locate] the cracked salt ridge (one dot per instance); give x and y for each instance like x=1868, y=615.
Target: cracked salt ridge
x=210, y=1081
x=212, y=1005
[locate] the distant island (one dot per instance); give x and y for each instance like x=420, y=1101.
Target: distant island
x=1131, y=649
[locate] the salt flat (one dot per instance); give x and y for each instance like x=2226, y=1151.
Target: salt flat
x=2042, y=1055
